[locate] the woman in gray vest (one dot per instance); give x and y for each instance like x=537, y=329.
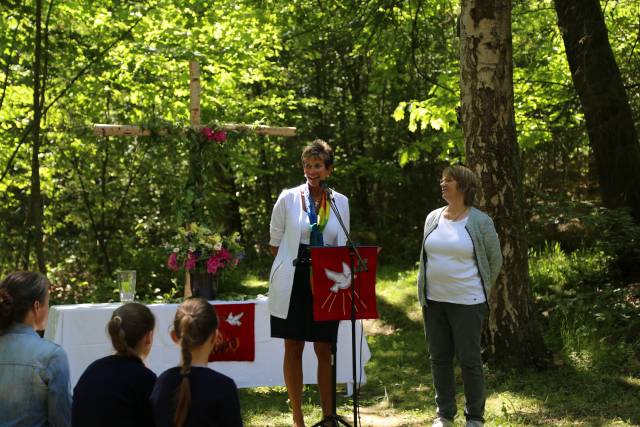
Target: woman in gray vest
x=460, y=260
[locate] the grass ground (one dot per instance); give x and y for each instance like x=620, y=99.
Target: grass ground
x=398, y=391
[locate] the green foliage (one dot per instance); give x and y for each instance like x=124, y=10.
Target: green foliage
x=574, y=225
x=437, y=114
x=591, y=321
x=553, y=271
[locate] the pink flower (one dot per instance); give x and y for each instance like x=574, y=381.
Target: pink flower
x=213, y=264
x=225, y=255
x=190, y=263
x=219, y=136
x=172, y=262
x=208, y=133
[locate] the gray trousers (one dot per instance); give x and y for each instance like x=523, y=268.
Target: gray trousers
x=456, y=330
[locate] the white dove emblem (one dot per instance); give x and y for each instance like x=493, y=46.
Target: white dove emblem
x=341, y=280
x=234, y=320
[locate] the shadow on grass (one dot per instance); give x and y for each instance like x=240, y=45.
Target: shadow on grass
x=268, y=406
x=396, y=315
x=570, y=395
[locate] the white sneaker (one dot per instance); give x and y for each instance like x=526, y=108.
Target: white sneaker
x=474, y=423
x=442, y=422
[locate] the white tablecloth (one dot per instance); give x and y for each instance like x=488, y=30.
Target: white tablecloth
x=81, y=331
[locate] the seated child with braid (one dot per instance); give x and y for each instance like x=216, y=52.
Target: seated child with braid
x=115, y=390
x=192, y=394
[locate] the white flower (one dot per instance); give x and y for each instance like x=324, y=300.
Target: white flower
x=176, y=250
x=217, y=246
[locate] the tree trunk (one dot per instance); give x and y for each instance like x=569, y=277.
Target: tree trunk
x=596, y=77
x=35, y=214
x=512, y=336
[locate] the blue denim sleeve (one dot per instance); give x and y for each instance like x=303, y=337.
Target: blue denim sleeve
x=59, y=394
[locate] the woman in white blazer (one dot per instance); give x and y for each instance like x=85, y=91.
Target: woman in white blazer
x=302, y=217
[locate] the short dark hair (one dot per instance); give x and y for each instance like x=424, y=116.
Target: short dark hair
x=468, y=181
x=18, y=291
x=318, y=148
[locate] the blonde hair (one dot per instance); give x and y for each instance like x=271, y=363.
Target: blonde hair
x=194, y=323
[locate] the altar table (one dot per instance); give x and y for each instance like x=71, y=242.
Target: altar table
x=81, y=330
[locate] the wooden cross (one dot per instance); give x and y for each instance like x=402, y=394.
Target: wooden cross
x=194, y=119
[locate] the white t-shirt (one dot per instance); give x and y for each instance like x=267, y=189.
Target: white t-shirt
x=452, y=273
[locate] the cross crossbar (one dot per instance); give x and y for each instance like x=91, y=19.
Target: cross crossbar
x=133, y=130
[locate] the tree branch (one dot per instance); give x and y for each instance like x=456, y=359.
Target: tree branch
x=7, y=68
x=23, y=138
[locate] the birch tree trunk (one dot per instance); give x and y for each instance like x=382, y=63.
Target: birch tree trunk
x=596, y=77
x=512, y=336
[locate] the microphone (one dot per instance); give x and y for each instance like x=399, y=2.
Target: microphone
x=325, y=187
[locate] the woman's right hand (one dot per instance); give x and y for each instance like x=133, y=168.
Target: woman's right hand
x=273, y=250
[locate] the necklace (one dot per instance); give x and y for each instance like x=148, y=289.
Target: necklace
x=316, y=200
x=456, y=217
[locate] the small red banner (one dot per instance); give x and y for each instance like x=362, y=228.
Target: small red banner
x=236, y=335
x=332, y=283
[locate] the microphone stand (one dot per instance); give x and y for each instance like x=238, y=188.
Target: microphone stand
x=334, y=418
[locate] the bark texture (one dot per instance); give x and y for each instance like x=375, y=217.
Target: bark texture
x=512, y=336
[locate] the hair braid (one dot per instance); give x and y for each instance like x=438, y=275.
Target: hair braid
x=184, y=391
x=194, y=323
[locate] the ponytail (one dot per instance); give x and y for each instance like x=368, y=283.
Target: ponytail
x=194, y=323
x=128, y=325
x=184, y=392
x=18, y=292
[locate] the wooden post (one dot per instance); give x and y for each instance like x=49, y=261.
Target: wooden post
x=194, y=86
x=187, y=284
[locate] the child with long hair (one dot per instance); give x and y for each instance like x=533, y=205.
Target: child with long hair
x=34, y=372
x=192, y=394
x=115, y=390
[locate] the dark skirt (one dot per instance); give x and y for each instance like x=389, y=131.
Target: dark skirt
x=299, y=324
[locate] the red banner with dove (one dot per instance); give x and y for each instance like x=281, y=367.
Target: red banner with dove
x=236, y=333
x=331, y=283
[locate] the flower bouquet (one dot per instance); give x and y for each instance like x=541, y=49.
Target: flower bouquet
x=204, y=254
